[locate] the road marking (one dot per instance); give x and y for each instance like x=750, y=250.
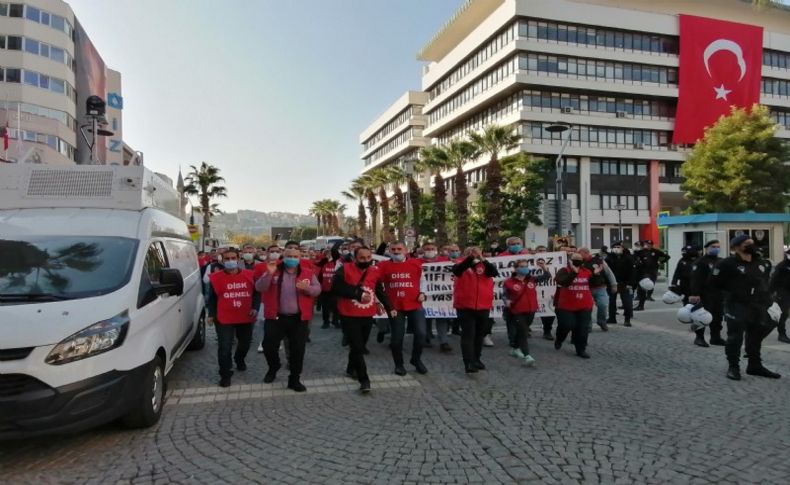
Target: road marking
x=200, y=395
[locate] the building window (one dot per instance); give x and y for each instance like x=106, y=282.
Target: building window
x=31, y=46
x=33, y=14
x=16, y=10
x=14, y=43
x=13, y=75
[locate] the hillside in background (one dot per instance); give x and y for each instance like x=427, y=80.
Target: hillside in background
x=255, y=223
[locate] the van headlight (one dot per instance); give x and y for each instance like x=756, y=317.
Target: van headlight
x=96, y=339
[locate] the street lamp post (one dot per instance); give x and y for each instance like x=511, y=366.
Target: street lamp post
x=620, y=209
x=559, y=128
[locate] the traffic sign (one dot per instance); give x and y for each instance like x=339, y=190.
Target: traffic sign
x=410, y=232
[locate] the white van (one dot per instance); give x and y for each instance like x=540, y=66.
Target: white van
x=99, y=295
x=326, y=242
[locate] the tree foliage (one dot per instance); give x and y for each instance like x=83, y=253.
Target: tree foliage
x=205, y=182
x=523, y=180
x=739, y=165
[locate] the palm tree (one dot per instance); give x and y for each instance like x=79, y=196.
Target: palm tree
x=459, y=153
x=379, y=179
x=334, y=210
x=370, y=184
x=415, y=194
x=396, y=176
x=434, y=159
x=492, y=141
x=205, y=183
x=357, y=193
x=317, y=210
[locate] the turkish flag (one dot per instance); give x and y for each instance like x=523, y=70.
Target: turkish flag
x=720, y=67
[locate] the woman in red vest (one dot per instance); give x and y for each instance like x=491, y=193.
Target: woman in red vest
x=521, y=291
x=473, y=298
x=357, y=285
x=573, y=304
x=289, y=290
x=232, y=308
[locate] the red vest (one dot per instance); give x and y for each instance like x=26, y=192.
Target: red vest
x=352, y=276
x=576, y=297
x=402, y=283
x=326, y=275
x=473, y=290
x=271, y=299
x=522, y=295
x=234, y=296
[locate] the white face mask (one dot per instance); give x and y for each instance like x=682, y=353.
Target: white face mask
x=247, y=256
x=430, y=254
x=274, y=256
x=617, y=250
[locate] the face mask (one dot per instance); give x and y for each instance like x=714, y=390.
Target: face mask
x=714, y=251
x=523, y=271
x=577, y=262
x=363, y=265
x=231, y=265
x=430, y=254
x=274, y=256
x=247, y=256
x=617, y=250
x=398, y=258
x=750, y=249
x=457, y=254
x=291, y=262
x=345, y=252
x=515, y=248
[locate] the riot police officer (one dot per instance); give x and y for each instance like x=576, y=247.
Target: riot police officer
x=681, y=278
x=743, y=277
x=780, y=288
x=648, y=260
x=710, y=297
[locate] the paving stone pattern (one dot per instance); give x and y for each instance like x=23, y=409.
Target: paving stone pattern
x=647, y=408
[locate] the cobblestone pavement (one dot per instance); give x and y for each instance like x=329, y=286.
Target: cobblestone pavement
x=648, y=407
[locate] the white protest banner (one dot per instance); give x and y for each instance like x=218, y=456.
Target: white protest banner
x=439, y=278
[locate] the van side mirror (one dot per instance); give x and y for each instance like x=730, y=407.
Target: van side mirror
x=170, y=282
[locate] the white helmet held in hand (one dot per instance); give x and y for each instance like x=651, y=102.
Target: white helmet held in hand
x=775, y=312
x=647, y=284
x=701, y=316
x=670, y=297
x=684, y=314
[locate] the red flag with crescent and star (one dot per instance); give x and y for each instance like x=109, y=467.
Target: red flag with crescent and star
x=720, y=67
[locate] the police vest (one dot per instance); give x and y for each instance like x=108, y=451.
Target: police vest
x=367, y=280
x=234, y=296
x=271, y=298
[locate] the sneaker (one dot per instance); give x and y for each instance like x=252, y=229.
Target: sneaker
x=445, y=347
x=224, y=382
x=260, y=348
x=517, y=353
x=487, y=342
x=529, y=361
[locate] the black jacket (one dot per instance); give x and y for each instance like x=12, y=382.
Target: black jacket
x=700, y=277
x=650, y=259
x=743, y=282
x=682, y=275
x=780, y=280
x=623, y=268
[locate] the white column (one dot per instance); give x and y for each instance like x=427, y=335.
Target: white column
x=583, y=234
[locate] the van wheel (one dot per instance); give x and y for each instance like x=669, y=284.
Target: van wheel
x=148, y=406
x=199, y=340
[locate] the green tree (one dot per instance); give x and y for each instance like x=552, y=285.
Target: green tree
x=415, y=196
x=494, y=140
x=524, y=178
x=739, y=165
x=205, y=182
x=459, y=153
x=357, y=193
x=371, y=186
x=435, y=159
x=397, y=177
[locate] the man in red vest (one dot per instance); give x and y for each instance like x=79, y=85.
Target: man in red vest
x=326, y=272
x=357, y=285
x=289, y=290
x=232, y=307
x=402, y=278
x=473, y=298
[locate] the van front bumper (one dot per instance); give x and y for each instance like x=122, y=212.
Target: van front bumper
x=29, y=407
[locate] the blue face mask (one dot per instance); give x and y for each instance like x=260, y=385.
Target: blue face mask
x=523, y=271
x=455, y=254
x=515, y=248
x=398, y=258
x=291, y=262
x=231, y=265
x=714, y=251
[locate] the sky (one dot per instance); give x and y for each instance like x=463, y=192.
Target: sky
x=273, y=92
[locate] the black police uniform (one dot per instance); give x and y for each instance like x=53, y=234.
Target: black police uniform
x=780, y=289
x=681, y=278
x=746, y=301
x=647, y=264
x=712, y=299
x=622, y=266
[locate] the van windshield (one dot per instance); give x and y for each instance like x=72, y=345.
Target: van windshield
x=50, y=268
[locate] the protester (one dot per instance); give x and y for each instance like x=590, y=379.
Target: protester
x=522, y=303
x=600, y=283
x=231, y=308
x=574, y=303
x=248, y=256
x=289, y=290
x=357, y=285
x=622, y=265
x=326, y=272
x=404, y=286
x=743, y=277
x=473, y=297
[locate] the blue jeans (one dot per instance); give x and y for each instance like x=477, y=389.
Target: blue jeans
x=416, y=319
x=601, y=296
